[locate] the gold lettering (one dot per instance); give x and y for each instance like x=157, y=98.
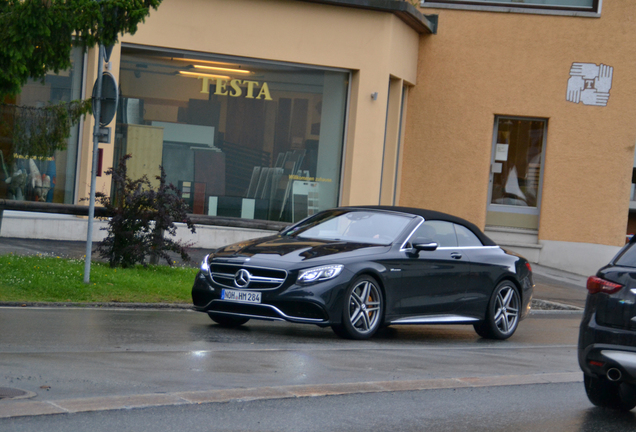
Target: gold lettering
x=205, y=87
x=264, y=92
x=236, y=90
x=220, y=87
x=250, y=88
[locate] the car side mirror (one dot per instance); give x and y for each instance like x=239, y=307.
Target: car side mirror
x=424, y=244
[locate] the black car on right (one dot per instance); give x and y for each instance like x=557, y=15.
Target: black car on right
x=607, y=337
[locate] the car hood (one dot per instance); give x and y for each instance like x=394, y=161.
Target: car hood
x=291, y=250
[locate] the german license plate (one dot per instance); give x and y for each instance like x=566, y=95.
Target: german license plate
x=241, y=296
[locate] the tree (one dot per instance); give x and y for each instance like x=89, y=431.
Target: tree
x=36, y=36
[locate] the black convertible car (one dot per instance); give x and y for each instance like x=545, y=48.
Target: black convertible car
x=359, y=268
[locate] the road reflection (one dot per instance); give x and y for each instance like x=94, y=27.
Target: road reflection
x=598, y=420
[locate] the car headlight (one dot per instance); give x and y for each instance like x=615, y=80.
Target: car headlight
x=205, y=268
x=319, y=273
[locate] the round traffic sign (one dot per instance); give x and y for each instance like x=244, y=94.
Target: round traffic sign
x=109, y=98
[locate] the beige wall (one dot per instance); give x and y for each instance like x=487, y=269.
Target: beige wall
x=482, y=64
x=373, y=45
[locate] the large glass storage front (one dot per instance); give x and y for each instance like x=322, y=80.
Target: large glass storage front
x=240, y=138
x=48, y=175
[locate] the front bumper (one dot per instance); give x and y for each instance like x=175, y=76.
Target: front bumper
x=313, y=304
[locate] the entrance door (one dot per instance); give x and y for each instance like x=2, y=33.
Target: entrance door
x=516, y=172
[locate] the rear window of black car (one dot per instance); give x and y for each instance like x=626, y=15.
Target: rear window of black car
x=627, y=257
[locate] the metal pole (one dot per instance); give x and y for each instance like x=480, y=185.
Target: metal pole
x=97, y=106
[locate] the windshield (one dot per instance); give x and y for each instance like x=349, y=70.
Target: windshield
x=360, y=226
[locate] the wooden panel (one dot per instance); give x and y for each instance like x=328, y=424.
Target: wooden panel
x=198, y=204
x=145, y=144
x=209, y=169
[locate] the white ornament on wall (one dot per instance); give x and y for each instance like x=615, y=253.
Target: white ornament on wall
x=589, y=83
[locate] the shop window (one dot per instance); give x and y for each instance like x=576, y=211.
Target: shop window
x=564, y=5
x=631, y=223
x=517, y=162
x=239, y=137
x=49, y=177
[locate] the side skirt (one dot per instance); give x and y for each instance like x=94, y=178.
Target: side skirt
x=435, y=319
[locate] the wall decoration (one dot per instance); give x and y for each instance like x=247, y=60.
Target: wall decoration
x=589, y=83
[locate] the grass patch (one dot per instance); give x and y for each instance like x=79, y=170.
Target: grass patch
x=54, y=279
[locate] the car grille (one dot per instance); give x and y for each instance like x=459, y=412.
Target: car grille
x=260, y=278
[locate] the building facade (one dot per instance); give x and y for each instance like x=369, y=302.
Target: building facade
x=514, y=115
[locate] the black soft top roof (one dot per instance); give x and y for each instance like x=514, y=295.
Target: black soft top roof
x=433, y=215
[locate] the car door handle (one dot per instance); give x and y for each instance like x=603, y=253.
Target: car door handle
x=456, y=255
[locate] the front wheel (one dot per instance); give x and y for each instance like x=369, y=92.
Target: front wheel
x=502, y=316
x=227, y=321
x=363, y=309
x=606, y=394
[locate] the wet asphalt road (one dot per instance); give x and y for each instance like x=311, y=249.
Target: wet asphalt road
x=536, y=408
x=88, y=352
x=94, y=356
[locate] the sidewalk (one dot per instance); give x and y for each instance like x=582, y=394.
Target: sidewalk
x=551, y=285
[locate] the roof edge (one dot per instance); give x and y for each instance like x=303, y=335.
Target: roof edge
x=423, y=24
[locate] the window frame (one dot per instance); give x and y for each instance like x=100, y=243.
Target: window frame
x=505, y=208
x=511, y=6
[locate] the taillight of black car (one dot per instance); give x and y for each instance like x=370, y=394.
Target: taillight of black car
x=596, y=284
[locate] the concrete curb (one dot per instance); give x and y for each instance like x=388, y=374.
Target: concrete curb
x=9, y=409
x=538, y=304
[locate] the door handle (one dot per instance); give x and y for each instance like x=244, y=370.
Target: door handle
x=456, y=255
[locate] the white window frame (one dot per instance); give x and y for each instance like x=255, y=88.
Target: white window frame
x=515, y=7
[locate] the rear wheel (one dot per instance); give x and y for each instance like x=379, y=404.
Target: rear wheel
x=363, y=309
x=502, y=316
x=607, y=394
x=227, y=321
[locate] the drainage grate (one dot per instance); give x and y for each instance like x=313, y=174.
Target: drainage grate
x=11, y=393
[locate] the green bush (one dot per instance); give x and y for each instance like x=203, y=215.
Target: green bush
x=140, y=219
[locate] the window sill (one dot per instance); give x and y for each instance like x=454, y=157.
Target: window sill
x=507, y=9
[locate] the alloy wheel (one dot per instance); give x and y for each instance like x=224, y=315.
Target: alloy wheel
x=365, y=307
x=506, y=309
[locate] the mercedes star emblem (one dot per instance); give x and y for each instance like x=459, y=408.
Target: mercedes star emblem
x=242, y=278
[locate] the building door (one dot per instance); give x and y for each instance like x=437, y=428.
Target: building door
x=516, y=172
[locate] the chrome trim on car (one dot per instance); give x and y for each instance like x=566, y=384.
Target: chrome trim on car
x=235, y=314
x=624, y=358
x=467, y=247
x=283, y=315
x=244, y=274
x=405, y=249
x=434, y=319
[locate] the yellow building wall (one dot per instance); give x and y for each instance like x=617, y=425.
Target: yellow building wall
x=483, y=64
x=373, y=45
